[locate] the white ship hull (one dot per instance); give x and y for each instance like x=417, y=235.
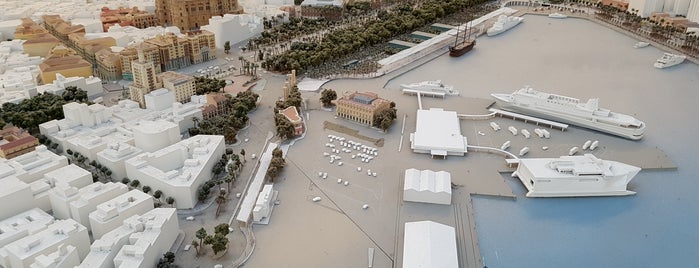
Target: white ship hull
x=611, y=179
x=503, y=24
x=641, y=45
x=434, y=86
x=669, y=60
x=590, y=121
x=557, y=16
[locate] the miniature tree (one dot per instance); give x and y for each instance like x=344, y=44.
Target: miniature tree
x=157, y=194
x=170, y=200
x=125, y=181
x=242, y=153
x=327, y=96
x=285, y=129
x=220, y=200
x=227, y=47
x=135, y=183
x=201, y=234
x=222, y=229
x=219, y=243
x=146, y=189
x=195, y=244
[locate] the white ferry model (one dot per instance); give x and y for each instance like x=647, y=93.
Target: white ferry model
x=434, y=86
x=557, y=16
x=669, y=60
x=641, y=44
x=579, y=175
x=504, y=23
x=572, y=111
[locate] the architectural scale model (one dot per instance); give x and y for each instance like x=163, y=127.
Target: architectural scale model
x=669, y=60
x=572, y=111
x=578, y=175
x=432, y=87
x=438, y=133
x=427, y=186
x=503, y=24
x=360, y=107
x=429, y=244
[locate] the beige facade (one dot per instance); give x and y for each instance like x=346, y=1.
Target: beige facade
x=192, y=14
x=63, y=60
x=361, y=107
x=180, y=84
x=40, y=45
x=144, y=79
x=108, y=65
x=130, y=54
x=29, y=30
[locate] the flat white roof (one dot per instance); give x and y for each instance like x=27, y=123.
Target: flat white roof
x=439, y=131
x=248, y=202
x=428, y=244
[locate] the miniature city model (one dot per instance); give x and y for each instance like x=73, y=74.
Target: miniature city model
x=580, y=175
x=434, y=87
x=503, y=24
x=572, y=111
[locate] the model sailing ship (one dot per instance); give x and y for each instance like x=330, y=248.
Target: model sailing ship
x=462, y=45
x=572, y=111
x=579, y=175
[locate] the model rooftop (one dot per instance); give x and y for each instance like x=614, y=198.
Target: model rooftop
x=438, y=133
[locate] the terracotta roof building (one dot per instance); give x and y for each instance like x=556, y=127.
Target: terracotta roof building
x=29, y=30
x=63, y=60
x=216, y=104
x=15, y=142
x=127, y=17
x=108, y=65
x=361, y=107
x=192, y=14
x=180, y=84
x=293, y=115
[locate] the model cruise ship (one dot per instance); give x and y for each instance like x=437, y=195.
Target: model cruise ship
x=572, y=111
x=669, y=60
x=579, y=175
x=434, y=86
x=504, y=23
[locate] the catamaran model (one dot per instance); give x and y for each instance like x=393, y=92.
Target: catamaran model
x=669, y=60
x=578, y=175
x=572, y=111
x=503, y=23
x=434, y=86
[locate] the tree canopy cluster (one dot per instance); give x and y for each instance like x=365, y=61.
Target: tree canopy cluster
x=41, y=108
x=347, y=40
x=384, y=118
x=228, y=124
x=285, y=129
x=218, y=241
x=327, y=96
x=205, y=85
x=276, y=165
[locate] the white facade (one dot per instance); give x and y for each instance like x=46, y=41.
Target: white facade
x=693, y=11
x=111, y=214
x=322, y=3
x=60, y=198
x=114, y=156
x=438, y=133
x=428, y=244
x=158, y=231
x=92, y=85
x=159, y=99
x=178, y=170
x=23, y=252
x=234, y=28
x=63, y=257
x=91, y=196
x=15, y=196
x=23, y=224
x=263, y=206
x=152, y=233
x=32, y=166
x=646, y=7
x=155, y=135
x=427, y=186
x=70, y=175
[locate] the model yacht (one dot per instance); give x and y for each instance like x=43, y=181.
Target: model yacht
x=504, y=23
x=572, y=111
x=641, y=44
x=434, y=86
x=669, y=60
x=557, y=16
x=579, y=175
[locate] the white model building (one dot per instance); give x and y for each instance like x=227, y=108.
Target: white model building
x=114, y=156
x=263, y=206
x=438, y=133
x=109, y=215
x=70, y=175
x=92, y=85
x=147, y=236
x=23, y=252
x=91, y=196
x=322, y=3
x=63, y=257
x=155, y=135
x=157, y=231
x=428, y=244
x=427, y=186
x=179, y=169
x=32, y=166
x=15, y=196
x=23, y=224
x=159, y=99
x=60, y=198
x=234, y=28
